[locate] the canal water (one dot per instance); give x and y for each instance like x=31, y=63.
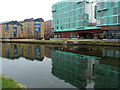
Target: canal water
x=48, y=66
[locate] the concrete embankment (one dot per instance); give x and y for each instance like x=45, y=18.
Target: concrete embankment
x=66, y=42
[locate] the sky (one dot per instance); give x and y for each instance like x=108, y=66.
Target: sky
x=24, y=9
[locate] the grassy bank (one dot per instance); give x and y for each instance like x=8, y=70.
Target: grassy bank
x=66, y=42
x=6, y=82
x=95, y=43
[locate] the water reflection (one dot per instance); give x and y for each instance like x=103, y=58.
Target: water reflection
x=80, y=66
x=28, y=51
x=83, y=66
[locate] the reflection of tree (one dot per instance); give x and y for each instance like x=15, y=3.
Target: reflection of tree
x=71, y=67
x=28, y=51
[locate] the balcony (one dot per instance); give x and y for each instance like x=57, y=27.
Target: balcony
x=36, y=27
x=37, y=24
x=37, y=31
x=53, y=10
x=15, y=28
x=104, y=9
x=14, y=32
x=6, y=28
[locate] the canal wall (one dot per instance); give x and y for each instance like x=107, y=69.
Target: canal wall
x=115, y=43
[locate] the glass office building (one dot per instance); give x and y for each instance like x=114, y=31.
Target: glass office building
x=73, y=19
x=108, y=18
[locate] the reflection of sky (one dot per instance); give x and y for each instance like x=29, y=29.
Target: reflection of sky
x=32, y=73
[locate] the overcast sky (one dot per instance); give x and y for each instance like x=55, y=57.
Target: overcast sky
x=22, y=9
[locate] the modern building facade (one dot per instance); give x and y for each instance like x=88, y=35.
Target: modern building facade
x=73, y=19
x=33, y=28
x=11, y=29
x=108, y=18
x=48, y=29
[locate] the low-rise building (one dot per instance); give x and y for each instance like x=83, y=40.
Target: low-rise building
x=48, y=29
x=11, y=29
x=33, y=28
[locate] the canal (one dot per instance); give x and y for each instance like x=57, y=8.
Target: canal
x=48, y=66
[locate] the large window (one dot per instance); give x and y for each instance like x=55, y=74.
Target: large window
x=72, y=35
x=73, y=25
x=102, y=13
x=100, y=21
x=100, y=5
x=118, y=19
x=80, y=10
x=81, y=23
x=115, y=11
x=81, y=17
x=80, y=4
x=115, y=19
x=112, y=4
x=112, y=34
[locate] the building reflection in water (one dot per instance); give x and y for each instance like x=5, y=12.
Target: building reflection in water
x=28, y=51
x=81, y=70
x=48, y=51
x=79, y=66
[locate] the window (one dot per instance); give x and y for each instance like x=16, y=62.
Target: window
x=118, y=19
x=81, y=17
x=100, y=5
x=102, y=13
x=72, y=35
x=15, y=28
x=73, y=25
x=6, y=28
x=74, y=18
x=84, y=23
x=80, y=4
x=80, y=10
x=101, y=21
x=75, y=6
x=98, y=21
x=112, y=4
x=73, y=12
x=115, y=11
x=69, y=25
x=115, y=19
x=68, y=19
x=57, y=21
x=81, y=23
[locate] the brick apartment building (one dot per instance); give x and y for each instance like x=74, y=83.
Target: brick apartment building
x=11, y=29
x=33, y=28
x=48, y=29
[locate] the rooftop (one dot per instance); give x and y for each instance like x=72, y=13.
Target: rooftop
x=11, y=23
x=32, y=19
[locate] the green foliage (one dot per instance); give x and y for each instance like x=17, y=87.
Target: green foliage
x=8, y=83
